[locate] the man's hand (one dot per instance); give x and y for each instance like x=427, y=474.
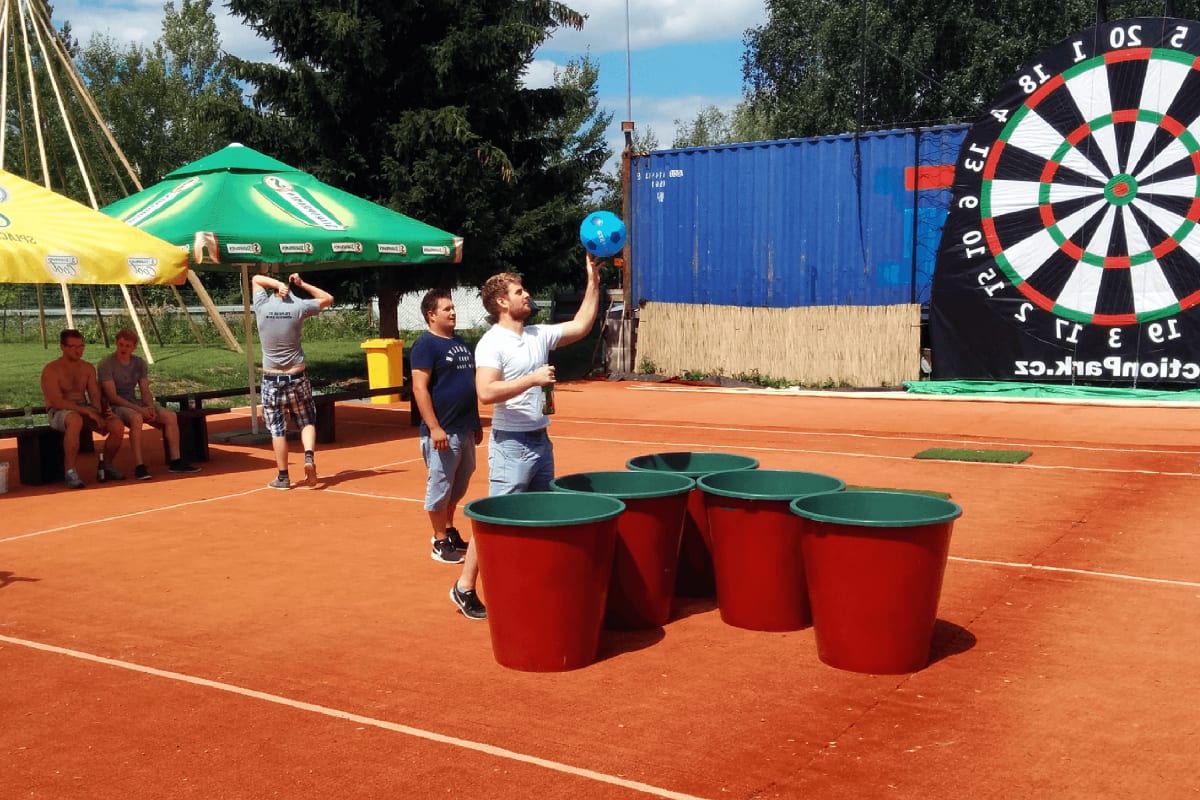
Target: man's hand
x=439, y=437
x=593, y=269
x=149, y=414
x=544, y=375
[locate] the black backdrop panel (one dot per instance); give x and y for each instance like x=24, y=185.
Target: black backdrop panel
x=1071, y=253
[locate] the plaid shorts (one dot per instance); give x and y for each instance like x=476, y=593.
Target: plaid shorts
x=282, y=394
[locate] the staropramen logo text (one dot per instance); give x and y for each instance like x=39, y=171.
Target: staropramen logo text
x=164, y=200
x=299, y=202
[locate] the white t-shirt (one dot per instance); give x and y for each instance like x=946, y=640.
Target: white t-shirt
x=516, y=355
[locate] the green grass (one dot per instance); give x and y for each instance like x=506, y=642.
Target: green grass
x=177, y=368
x=987, y=456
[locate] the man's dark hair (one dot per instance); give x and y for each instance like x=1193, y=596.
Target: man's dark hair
x=69, y=333
x=429, y=302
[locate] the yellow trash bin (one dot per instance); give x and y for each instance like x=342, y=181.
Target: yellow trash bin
x=385, y=366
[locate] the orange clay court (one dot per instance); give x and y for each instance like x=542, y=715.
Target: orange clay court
x=205, y=637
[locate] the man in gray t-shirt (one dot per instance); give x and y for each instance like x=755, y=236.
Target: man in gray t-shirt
x=285, y=386
x=125, y=382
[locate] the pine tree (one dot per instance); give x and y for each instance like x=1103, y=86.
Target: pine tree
x=420, y=105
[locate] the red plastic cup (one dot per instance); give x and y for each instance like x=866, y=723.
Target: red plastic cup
x=648, y=535
x=756, y=551
x=695, y=573
x=875, y=562
x=545, y=559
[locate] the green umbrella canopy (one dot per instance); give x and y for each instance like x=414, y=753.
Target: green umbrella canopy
x=237, y=206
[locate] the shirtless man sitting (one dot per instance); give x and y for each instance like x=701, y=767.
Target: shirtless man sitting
x=73, y=404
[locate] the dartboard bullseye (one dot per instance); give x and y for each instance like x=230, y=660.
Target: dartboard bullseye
x=1071, y=251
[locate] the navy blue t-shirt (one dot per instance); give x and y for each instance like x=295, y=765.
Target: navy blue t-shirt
x=451, y=381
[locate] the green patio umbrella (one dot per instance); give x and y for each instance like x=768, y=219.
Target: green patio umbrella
x=238, y=208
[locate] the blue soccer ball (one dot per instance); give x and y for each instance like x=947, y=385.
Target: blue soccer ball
x=602, y=233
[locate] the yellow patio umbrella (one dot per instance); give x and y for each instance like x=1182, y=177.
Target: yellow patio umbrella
x=48, y=238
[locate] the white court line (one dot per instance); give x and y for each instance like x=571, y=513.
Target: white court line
x=157, y=509
x=1123, y=402
x=1090, y=573
x=371, y=496
x=407, y=730
x=888, y=438
x=991, y=465
x=140, y=513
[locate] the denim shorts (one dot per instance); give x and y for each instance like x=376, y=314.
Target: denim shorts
x=450, y=470
x=283, y=394
x=520, y=462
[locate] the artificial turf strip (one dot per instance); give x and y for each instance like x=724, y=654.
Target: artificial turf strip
x=929, y=492
x=989, y=456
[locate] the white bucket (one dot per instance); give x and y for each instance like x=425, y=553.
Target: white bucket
x=3, y=477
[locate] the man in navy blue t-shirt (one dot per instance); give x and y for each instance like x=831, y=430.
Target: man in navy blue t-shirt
x=443, y=378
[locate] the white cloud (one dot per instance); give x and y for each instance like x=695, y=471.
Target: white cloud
x=540, y=73
x=656, y=23
x=651, y=24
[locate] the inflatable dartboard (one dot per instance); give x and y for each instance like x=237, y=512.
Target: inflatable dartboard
x=1071, y=252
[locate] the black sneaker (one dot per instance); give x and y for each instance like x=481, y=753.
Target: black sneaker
x=453, y=535
x=179, y=465
x=280, y=482
x=310, y=473
x=445, y=552
x=141, y=473
x=468, y=603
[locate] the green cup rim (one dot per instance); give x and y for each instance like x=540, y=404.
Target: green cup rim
x=949, y=511
x=705, y=485
x=602, y=507
x=692, y=473
x=683, y=484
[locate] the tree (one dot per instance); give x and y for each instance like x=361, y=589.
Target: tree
x=419, y=104
x=167, y=104
x=713, y=126
x=821, y=67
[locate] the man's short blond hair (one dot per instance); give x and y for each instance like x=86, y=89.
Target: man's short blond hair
x=495, y=288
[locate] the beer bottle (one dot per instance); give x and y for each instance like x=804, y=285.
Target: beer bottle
x=548, y=398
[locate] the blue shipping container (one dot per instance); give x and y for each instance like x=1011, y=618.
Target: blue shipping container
x=835, y=220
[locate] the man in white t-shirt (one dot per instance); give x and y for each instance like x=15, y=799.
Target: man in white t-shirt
x=511, y=367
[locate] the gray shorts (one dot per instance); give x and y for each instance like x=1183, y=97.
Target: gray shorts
x=57, y=418
x=520, y=462
x=450, y=470
x=125, y=414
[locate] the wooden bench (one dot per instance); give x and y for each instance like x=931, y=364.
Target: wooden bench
x=193, y=419
x=40, y=452
x=327, y=406
x=193, y=422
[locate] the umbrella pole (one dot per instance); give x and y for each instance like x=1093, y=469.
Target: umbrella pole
x=66, y=296
x=137, y=324
x=187, y=315
x=249, y=346
x=217, y=320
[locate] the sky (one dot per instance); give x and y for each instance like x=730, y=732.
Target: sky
x=683, y=55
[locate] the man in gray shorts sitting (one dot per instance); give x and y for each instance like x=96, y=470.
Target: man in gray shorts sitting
x=285, y=386
x=125, y=382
